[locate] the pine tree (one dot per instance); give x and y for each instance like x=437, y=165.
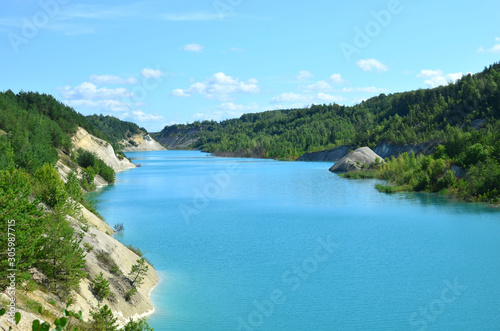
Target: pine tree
x=138, y=271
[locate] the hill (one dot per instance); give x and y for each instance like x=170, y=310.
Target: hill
x=61, y=250
x=459, y=124
x=125, y=136
x=431, y=115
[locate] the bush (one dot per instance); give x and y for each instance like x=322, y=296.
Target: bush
x=103, y=319
x=140, y=325
x=119, y=227
x=88, y=247
x=100, y=287
x=130, y=293
x=108, y=262
x=48, y=186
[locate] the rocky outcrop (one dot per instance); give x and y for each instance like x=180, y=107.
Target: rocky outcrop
x=177, y=138
x=388, y=150
x=103, y=253
x=326, y=156
x=141, y=143
x=361, y=158
x=64, y=171
x=101, y=148
x=107, y=251
x=384, y=150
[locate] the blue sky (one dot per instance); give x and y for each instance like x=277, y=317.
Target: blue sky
x=162, y=62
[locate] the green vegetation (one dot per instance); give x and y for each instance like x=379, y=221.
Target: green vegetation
x=94, y=166
x=100, y=287
x=102, y=320
x=435, y=174
x=431, y=115
x=35, y=132
x=464, y=117
x=115, y=129
x=139, y=325
x=138, y=271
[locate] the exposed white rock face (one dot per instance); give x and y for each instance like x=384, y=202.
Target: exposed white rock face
x=355, y=160
x=102, y=149
x=144, y=143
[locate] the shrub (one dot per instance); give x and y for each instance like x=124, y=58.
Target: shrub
x=103, y=319
x=100, y=287
x=118, y=227
x=130, y=293
x=48, y=186
x=88, y=247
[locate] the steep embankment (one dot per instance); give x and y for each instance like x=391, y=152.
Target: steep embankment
x=104, y=254
x=141, y=143
x=384, y=150
x=175, y=137
x=101, y=148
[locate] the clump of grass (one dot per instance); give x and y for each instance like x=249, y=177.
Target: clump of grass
x=390, y=189
x=108, y=262
x=369, y=174
x=88, y=247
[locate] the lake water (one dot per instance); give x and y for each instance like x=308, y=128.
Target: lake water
x=246, y=244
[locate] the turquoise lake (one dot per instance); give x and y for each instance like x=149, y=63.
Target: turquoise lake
x=250, y=244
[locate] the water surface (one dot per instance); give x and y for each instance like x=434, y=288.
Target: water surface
x=246, y=244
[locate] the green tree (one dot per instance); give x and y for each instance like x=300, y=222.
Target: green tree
x=103, y=319
x=138, y=271
x=22, y=215
x=100, y=287
x=48, y=186
x=140, y=325
x=61, y=258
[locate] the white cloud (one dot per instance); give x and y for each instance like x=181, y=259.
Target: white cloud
x=141, y=116
x=112, y=80
x=336, y=78
x=318, y=86
x=494, y=49
x=179, y=93
x=427, y=73
x=329, y=98
x=105, y=105
x=218, y=115
x=289, y=97
x=90, y=91
x=219, y=87
x=229, y=106
x=151, y=73
x=304, y=75
x=371, y=65
x=434, y=78
x=193, y=48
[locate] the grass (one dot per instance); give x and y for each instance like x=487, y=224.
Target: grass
x=391, y=189
x=106, y=260
x=360, y=174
